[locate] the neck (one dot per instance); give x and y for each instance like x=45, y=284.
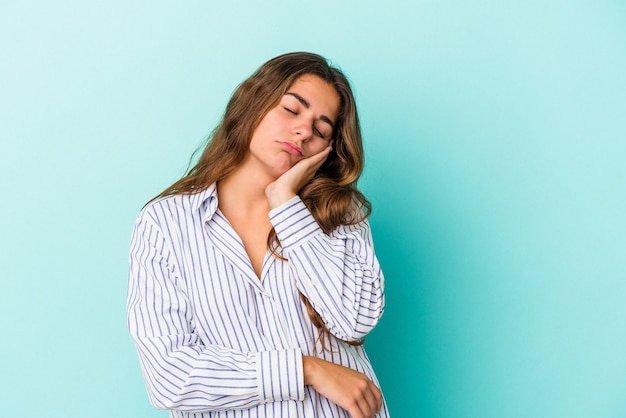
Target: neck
x=243, y=192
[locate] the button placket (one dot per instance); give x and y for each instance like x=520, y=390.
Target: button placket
x=282, y=325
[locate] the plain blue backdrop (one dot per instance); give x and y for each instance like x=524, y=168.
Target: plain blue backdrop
x=495, y=134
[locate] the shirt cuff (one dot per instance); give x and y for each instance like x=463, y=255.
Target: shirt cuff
x=280, y=375
x=293, y=222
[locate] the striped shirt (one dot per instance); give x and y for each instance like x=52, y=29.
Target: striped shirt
x=214, y=340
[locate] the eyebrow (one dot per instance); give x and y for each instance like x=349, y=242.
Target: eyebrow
x=306, y=104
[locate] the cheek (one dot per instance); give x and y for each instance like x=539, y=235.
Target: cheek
x=266, y=124
x=316, y=147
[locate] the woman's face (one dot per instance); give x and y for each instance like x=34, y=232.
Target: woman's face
x=301, y=125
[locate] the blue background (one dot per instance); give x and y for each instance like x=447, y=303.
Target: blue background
x=495, y=136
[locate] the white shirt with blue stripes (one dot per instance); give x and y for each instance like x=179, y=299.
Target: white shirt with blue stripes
x=214, y=340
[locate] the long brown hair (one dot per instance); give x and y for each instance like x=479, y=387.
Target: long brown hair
x=331, y=196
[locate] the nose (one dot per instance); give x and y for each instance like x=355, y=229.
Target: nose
x=302, y=131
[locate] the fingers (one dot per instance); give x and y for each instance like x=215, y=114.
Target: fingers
x=290, y=182
x=318, y=159
x=323, y=153
x=307, y=167
x=373, y=397
x=350, y=389
x=369, y=400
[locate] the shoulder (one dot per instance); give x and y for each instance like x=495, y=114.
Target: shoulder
x=177, y=208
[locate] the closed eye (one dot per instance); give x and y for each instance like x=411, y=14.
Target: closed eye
x=319, y=133
x=290, y=111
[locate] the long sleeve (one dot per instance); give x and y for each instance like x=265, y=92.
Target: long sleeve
x=338, y=273
x=181, y=371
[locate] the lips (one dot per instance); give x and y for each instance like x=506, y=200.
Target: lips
x=291, y=148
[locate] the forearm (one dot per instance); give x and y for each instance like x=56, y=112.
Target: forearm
x=338, y=273
x=346, y=292
x=199, y=378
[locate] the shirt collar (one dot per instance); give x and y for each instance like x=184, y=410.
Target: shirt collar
x=206, y=202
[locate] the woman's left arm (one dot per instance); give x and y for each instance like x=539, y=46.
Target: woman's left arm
x=338, y=273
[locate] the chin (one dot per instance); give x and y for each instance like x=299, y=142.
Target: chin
x=282, y=167
x=279, y=172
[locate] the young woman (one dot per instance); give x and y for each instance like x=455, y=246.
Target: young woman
x=253, y=279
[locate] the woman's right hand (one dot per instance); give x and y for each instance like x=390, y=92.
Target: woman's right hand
x=289, y=183
x=351, y=390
